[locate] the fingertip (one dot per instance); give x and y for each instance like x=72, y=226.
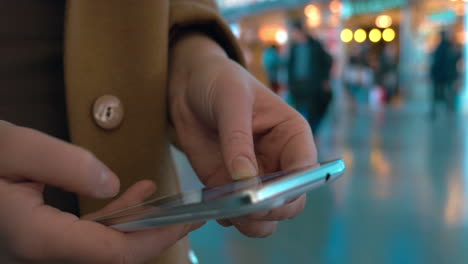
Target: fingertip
x=108, y=185
x=148, y=188
x=225, y=222
x=196, y=226
x=243, y=168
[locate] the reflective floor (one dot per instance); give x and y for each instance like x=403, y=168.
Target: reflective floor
x=404, y=198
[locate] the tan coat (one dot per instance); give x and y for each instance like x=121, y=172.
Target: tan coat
x=120, y=47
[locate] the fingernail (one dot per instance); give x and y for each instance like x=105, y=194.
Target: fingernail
x=107, y=185
x=242, y=168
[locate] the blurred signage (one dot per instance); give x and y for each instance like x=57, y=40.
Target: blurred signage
x=239, y=3
x=235, y=9
x=351, y=8
x=446, y=17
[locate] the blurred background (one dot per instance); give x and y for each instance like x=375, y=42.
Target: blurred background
x=383, y=85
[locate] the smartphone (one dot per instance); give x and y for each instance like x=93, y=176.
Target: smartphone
x=231, y=200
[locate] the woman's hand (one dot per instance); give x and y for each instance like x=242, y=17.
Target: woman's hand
x=231, y=127
x=32, y=232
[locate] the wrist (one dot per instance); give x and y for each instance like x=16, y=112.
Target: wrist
x=190, y=52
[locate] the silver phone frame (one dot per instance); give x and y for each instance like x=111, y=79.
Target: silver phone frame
x=262, y=198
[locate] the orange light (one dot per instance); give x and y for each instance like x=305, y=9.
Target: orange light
x=312, y=11
x=313, y=23
x=273, y=34
x=460, y=37
x=267, y=33
x=383, y=21
x=459, y=10
x=336, y=6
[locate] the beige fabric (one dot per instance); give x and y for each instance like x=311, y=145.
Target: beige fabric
x=120, y=47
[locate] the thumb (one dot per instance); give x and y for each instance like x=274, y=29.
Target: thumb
x=134, y=195
x=234, y=119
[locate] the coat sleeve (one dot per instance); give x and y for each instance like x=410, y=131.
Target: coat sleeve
x=202, y=16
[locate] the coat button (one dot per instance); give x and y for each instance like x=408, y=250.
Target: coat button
x=108, y=112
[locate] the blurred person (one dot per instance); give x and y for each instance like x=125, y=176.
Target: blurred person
x=91, y=116
x=351, y=79
x=444, y=73
x=271, y=61
x=387, y=73
x=358, y=78
x=309, y=67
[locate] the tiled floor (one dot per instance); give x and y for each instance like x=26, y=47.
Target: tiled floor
x=404, y=198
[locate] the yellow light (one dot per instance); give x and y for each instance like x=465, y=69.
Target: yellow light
x=375, y=35
x=383, y=21
x=360, y=35
x=312, y=11
x=336, y=6
x=346, y=35
x=389, y=35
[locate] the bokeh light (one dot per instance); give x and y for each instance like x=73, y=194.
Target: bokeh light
x=360, y=35
x=273, y=33
x=314, y=22
x=375, y=35
x=346, y=35
x=383, y=21
x=459, y=10
x=389, y=35
x=312, y=11
x=336, y=6
x=281, y=36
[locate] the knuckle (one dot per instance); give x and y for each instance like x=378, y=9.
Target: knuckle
x=301, y=120
x=239, y=136
x=303, y=125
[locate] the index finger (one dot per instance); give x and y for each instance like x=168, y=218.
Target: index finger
x=30, y=155
x=300, y=150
